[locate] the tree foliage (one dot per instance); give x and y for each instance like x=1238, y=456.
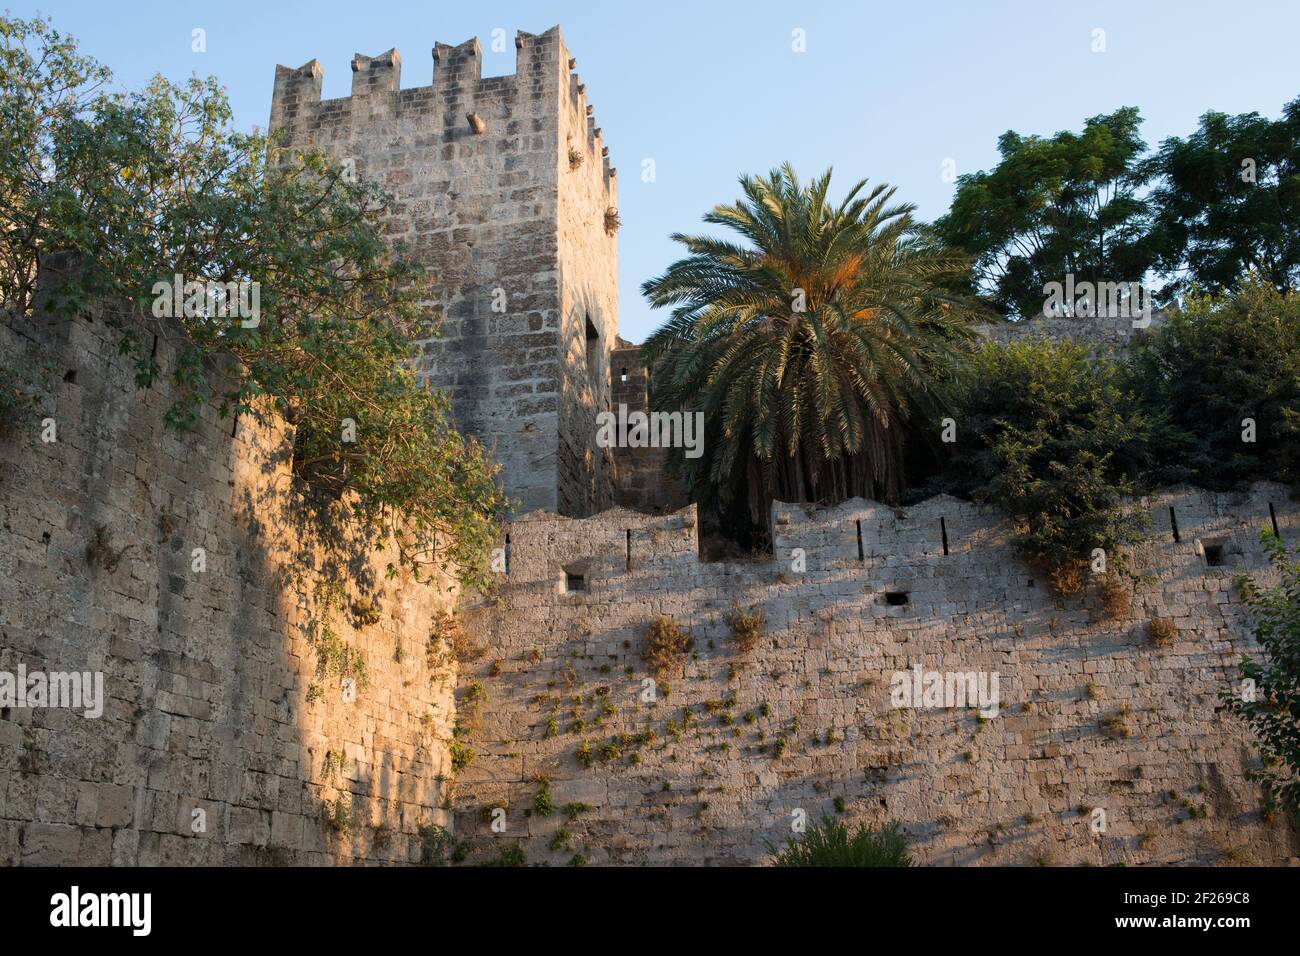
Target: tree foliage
x=1227, y=200
x=1069, y=203
x=1218, y=369
x=141, y=187
x=811, y=345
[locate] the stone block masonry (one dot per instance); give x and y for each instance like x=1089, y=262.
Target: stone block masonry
x=1093, y=715
x=502, y=188
x=220, y=742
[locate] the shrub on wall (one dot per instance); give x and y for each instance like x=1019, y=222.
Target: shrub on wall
x=1225, y=373
x=666, y=644
x=1054, y=438
x=832, y=843
x=1270, y=701
x=746, y=628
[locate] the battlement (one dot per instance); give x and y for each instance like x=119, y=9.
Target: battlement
x=881, y=541
x=458, y=84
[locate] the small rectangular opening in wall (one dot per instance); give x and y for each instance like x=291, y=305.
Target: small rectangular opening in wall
x=1272, y=518
x=629, y=549
x=897, y=598
x=574, y=581
x=1214, y=555
x=943, y=534
x=1173, y=524
x=506, y=555
x=234, y=422
x=861, y=554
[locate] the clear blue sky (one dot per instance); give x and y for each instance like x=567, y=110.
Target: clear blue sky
x=709, y=90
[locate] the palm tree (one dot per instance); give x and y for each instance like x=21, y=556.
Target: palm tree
x=811, y=348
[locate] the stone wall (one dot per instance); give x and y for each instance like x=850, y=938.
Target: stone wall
x=512, y=236
x=1107, y=335
x=588, y=269
x=1094, y=716
x=209, y=657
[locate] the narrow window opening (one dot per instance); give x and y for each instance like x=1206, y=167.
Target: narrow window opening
x=70, y=376
x=1173, y=524
x=623, y=376
x=1214, y=555
x=507, y=554
x=862, y=557
x=234, y=422
x=943, y=534
x=629, y=549
x=1272, y=517
x=897, y=598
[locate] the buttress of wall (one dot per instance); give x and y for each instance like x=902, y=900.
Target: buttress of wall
x=228, y=735
x=588, y=254
x=478, y=210
x=714, y=760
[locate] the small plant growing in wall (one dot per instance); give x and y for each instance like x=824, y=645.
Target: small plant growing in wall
x=1117, y=724
x=584, y=754
x=338, y=813
x=438, y=847
x=746, y=628
x=667, y=645
x=574, y=810
x=1116, y=597
x=612, y=220
x=575, y=157
x=1161, y=631
x=100, y=552
x=365, y=612
x=462, y=755
x=543, y=805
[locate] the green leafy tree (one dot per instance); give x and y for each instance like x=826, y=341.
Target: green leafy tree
x=1222, y=370
x=136, y=188
x=44, y=83
x=1057, y=441
x=1270, y=703
x=1068, y=204
x=1227, y=200
x=832, y=843
x=811, y=346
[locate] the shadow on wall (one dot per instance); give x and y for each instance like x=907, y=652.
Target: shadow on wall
x=732, y=746
x=272, y=696
x=585, y=472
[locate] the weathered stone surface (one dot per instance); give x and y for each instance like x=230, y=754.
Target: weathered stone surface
x=213, y=699
x=566, y=667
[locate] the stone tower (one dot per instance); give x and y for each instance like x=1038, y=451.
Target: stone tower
x=504, y=192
